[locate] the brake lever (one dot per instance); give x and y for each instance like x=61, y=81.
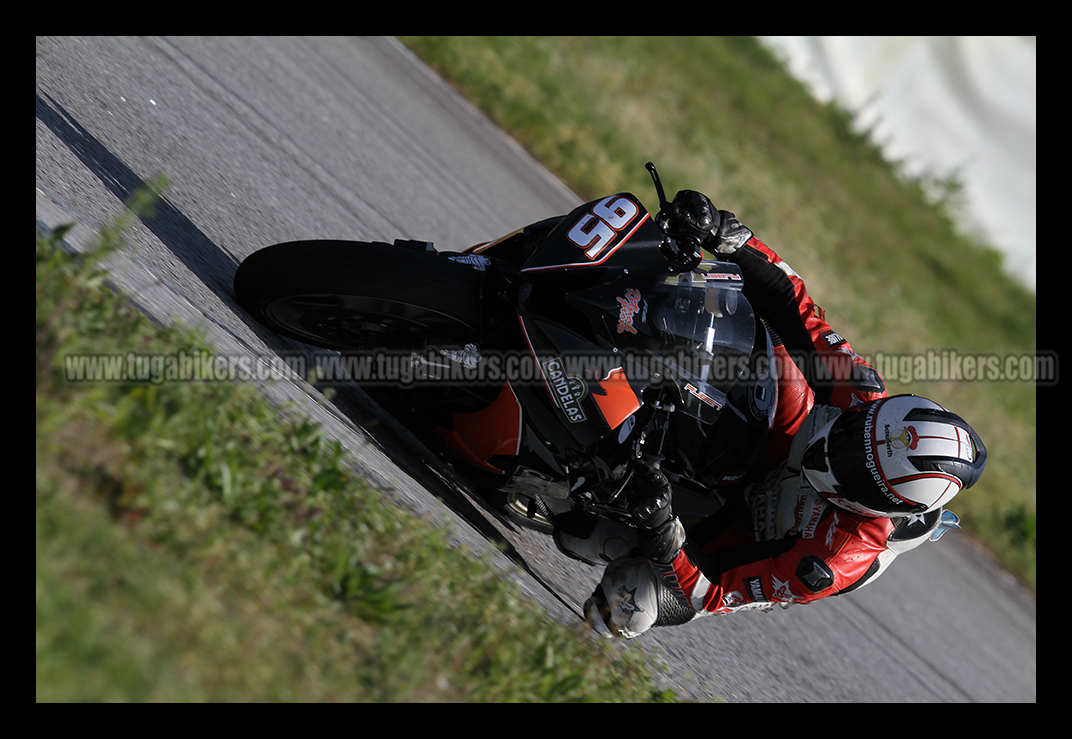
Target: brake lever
x=684, y=256
x=663, y=202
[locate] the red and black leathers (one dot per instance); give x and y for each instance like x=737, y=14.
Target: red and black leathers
x=817, y=365
x=776, y=541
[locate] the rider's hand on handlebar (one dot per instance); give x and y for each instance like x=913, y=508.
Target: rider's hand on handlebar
x=660, y=534
x=690, y=221
x=693, y=222
x=693, y=216
x=649, y=496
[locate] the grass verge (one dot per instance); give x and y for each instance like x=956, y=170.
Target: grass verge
x=721, y=115
x=194, y=544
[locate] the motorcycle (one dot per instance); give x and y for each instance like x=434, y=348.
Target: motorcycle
x=546, y=363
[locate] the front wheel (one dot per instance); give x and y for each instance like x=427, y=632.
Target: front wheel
x=360, y=296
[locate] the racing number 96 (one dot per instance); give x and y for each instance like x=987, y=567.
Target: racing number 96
x=595, y=230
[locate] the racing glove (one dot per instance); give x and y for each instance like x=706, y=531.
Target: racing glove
x=690, y=220
x=730, y=236
x=660, y=533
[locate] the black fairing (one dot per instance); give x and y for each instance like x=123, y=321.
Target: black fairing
x=598, y=293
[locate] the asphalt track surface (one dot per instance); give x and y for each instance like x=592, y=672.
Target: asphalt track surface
x=275, y=139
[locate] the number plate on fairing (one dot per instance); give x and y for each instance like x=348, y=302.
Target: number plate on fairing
x=598, y=234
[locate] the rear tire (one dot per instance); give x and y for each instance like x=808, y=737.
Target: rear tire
x=347, y=295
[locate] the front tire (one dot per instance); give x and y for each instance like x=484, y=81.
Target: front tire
x=360, y=296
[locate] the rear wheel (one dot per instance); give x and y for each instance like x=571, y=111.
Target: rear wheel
x=530, y=512
x=360, y=296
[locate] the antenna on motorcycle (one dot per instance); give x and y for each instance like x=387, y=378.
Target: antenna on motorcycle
x=663, y=203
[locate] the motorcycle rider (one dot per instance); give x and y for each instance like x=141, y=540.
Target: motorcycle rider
x=849, y=477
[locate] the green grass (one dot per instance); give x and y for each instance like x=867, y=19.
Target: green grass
x=720, y=115
x=195, y=544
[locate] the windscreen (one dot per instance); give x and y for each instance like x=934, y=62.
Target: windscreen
x=697, y=331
